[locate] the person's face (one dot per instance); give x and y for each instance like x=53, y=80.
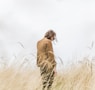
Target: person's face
x=53, y=38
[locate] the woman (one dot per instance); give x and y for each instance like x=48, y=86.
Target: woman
x=46, y=60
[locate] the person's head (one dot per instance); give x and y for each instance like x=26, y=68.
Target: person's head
x=50, y=34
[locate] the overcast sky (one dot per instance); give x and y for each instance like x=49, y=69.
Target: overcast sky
x=26, y=21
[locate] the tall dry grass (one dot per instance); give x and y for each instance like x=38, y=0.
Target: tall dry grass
x=80, y=76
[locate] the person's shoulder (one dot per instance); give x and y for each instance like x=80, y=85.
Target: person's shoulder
x=38, y=41
x=44, y=40
x=47, y=40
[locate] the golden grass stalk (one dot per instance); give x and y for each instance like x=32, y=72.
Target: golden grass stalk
x=76, y=77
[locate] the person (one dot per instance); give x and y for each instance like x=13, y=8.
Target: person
x=46, y=59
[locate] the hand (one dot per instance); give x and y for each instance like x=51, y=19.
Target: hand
x=55, y=72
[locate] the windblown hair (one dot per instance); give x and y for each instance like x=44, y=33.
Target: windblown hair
x=50, y=34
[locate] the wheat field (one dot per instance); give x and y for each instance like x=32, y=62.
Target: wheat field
x=80, y=76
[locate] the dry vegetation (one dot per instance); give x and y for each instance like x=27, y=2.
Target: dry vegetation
x=78, y=76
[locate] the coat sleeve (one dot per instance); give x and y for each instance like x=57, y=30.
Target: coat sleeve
x=38, y=56
x=50, y=54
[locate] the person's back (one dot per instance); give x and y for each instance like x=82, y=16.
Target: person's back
x=45, y=52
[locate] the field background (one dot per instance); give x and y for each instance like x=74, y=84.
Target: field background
x=22, y=76
x=24, y=22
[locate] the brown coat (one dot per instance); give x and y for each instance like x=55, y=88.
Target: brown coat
x=45, y=52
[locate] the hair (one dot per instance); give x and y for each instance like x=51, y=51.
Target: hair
x=49, y=34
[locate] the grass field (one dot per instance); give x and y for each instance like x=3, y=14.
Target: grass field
x=80, y=76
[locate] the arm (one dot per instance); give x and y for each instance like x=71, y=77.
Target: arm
x=50, y=54
x=38, y=56
x=38, y=61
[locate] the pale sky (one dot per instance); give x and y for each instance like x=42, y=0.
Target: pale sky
x=26, y=21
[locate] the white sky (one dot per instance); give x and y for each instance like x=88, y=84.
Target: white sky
x=26, y=21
